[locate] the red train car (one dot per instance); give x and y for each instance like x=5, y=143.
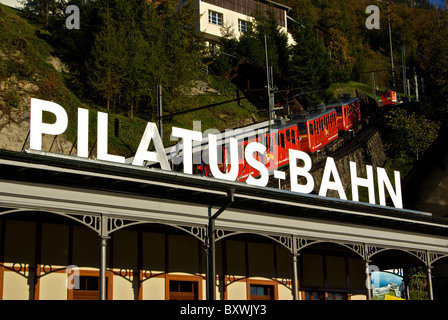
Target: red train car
x=348, y=113
x=277, y=141
x=389, y=98
x=316, y=130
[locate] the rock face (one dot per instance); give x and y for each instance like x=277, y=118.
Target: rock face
x=15, y=97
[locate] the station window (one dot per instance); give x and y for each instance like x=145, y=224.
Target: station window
x=215, y=18
x=88, y=287
x=183, y=290
x=261, y=290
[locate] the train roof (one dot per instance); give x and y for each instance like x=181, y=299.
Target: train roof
x=341, y=103
x=313, y=116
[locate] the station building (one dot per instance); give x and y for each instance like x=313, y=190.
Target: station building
x=76, y=229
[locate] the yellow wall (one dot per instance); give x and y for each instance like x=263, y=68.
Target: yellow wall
x=53, y=287
x=185, y=256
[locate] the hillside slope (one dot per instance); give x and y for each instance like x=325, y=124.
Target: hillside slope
x=29, y=69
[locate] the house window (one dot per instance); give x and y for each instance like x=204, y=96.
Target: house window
x=215, y=18
x=242, y=26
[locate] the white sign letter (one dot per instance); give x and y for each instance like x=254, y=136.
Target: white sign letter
x=330, y=169
x=187, y=145
x=213, y=159
x=103, y=140
x=83, y=133
x=37, y=128
x=143, y=154
x=383, y=180
x=295, y=171
x=357, y=182
x=257, y=165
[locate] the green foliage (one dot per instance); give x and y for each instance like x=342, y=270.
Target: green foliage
x=263, y=32
x=310, y=62
x=409, y=135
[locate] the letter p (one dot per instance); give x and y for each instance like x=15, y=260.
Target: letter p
x=37, y=127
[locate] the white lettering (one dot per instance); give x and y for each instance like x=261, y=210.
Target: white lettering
x=83, y=133
x=38, y=128
x=103, y=140
x=295, y=171
x=249, y=155
x=213, y=160
x=188, y=136
x=326, y=184
x=383, y=180
x=142, y=154
x=361, y=182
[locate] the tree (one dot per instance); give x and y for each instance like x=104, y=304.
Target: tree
x=310, y=62
x=409, y=135
x=41, y=10
x=107, y=59
x=264, y=31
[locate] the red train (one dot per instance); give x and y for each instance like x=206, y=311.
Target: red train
x=348, y=113
x=307, y=134
x=389, y=98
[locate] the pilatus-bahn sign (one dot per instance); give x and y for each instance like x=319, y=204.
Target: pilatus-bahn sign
x=250, y=157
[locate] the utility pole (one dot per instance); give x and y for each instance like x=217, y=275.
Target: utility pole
x=416, y=85
x=391, y=49
x=373, y=83
x=269, y=74
x=403, y=51
x=159, y=110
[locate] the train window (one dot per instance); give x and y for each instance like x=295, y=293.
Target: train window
x=339, y=111
x=302, y=128
x=316, y=126
x=345, y=112
x=288, y=135
x=293, y=136
x=311, y=128
x=282, y=140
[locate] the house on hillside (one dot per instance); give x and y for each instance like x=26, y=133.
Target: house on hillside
x=235, y=14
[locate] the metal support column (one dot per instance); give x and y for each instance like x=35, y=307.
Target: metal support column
x=368, y=280
x=295, y=278
x=211, y=231
x=367, y=271
x=104, y=236
x=428, y=271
